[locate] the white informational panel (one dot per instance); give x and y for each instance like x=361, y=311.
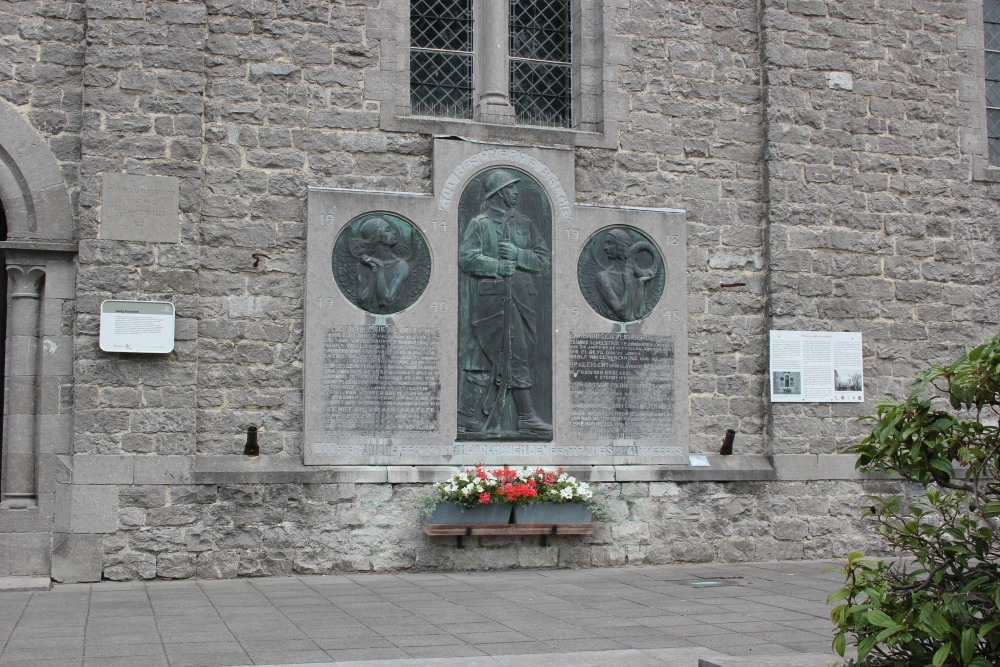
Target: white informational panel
x=816, y=367
x=140, y=327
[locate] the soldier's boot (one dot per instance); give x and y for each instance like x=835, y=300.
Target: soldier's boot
x=470, y=417
x=528, y=420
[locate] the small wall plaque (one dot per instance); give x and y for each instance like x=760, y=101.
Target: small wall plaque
x=140, y=208
x=138, y=327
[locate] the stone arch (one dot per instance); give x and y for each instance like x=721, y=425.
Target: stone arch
x=32, y=188
x=37, y=256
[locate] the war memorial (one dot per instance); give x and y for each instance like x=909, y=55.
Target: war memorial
x=274, y=268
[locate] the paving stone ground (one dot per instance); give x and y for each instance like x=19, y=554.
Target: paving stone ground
x=719, y=614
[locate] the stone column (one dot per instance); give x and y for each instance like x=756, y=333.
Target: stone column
x=20, y=446
x=493, y=64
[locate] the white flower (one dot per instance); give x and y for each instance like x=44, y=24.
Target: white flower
x=567, y=493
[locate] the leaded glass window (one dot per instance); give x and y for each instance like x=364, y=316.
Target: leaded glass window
x=441, y=58
x=540, y=62
x=991, y=39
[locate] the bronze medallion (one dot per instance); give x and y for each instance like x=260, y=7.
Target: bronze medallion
x=381, y=263
x=621, y=273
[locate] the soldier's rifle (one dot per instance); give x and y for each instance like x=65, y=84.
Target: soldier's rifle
x=495, y=399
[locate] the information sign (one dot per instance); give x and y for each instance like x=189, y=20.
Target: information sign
x=140, y=327
x=816, y=367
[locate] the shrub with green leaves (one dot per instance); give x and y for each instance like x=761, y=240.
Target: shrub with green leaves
x=939, y=604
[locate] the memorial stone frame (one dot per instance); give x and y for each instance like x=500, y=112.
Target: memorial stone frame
x=608, y=361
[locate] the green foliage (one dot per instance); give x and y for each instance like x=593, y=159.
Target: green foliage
x=425, y=503
x=940, y=603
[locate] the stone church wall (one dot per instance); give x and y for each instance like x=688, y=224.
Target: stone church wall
x=823, y=152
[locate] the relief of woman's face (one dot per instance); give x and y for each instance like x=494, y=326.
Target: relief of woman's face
x=387, y=234
x=613, y=248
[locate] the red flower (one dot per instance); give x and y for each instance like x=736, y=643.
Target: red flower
x=484, y=498
x=513, y=492
x=505, y=473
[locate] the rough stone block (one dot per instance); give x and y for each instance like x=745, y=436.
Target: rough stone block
x=533, y=555
x=176, y=565
x=129, y=566
x=608, y=556
x=217, y=565
x=486, y=559
x=664, y=489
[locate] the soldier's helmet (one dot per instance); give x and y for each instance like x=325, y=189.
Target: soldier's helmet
x=496, y=181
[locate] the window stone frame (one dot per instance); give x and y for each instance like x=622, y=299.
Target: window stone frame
x=973, y=93
x=598, y=107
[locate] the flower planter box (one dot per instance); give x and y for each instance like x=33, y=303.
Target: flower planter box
x=453, y=513
x=553, y=513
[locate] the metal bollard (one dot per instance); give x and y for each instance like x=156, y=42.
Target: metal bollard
x=252, y=448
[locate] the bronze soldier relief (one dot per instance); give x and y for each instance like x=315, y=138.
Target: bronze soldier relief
x=621, y=274
x=505, y=314
x=381, y=263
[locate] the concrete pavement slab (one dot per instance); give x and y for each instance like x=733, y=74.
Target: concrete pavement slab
x=668, y=615
x=798, y=660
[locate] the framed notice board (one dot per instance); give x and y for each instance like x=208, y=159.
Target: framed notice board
x=138, y=327
x=816, y=367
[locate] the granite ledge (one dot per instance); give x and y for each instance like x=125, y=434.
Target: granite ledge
x=30, y=245
x=746, y=468
x=235, y=469
x=238, y=469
